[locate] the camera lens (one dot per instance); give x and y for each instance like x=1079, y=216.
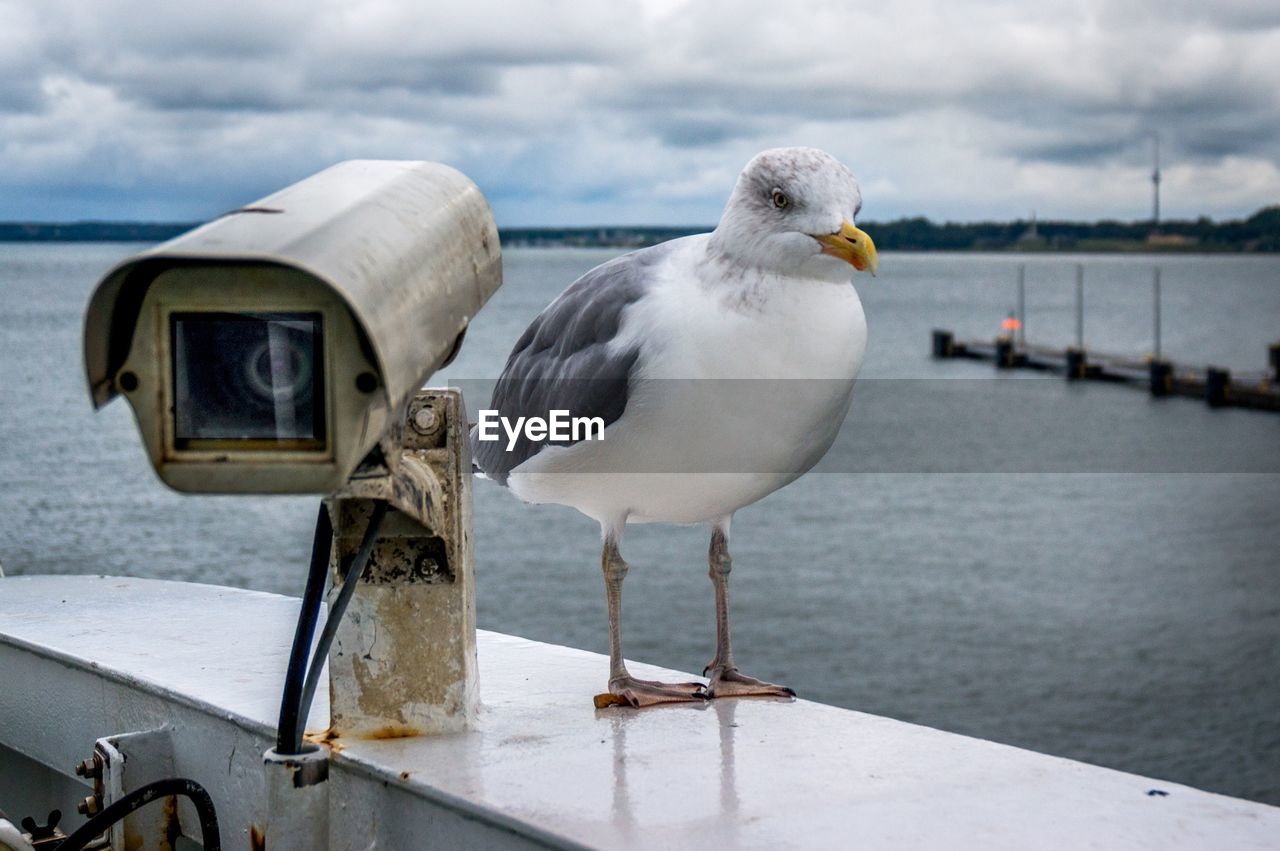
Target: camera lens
x=248, y=380
x=279, y=369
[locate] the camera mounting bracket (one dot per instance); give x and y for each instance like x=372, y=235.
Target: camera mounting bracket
x=404, y=659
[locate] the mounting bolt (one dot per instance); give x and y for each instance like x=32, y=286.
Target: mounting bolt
x=89, y=806
x=90, y=768
x=425, y=420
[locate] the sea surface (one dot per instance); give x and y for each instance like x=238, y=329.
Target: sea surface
x=1072, y=568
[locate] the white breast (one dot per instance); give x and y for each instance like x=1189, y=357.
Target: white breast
x=739, y=391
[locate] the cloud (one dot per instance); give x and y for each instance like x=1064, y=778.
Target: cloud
x=642, y=112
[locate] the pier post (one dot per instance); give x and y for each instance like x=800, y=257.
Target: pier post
x=1080, y=306
x=1075, y=357
x=1004, y=352
x=942, y=343
x=1216, y=384
x=1273, y=354
x=1022, y=305
x=1155, y=295
x=1076, y=364
x=1161, y=372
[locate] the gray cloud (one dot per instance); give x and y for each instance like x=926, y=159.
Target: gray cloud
x=1076, y=152
x=643, y=111
x=685, y=128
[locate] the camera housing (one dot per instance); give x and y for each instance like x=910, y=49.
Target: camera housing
x=269, y=350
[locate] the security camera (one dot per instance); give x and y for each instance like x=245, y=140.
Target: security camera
x=269, y=350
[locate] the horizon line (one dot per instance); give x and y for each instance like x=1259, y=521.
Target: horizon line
x=193, y=223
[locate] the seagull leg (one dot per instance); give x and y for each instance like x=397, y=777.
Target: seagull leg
x=625, y=689
x=726, y=679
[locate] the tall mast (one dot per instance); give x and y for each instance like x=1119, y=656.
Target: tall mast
x=1155, y=186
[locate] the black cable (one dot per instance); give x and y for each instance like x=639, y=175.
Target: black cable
x=336, y=609
x=142, y=796
x=288, y=731
x=303, y=674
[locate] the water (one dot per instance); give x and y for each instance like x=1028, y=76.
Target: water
x=1128, y=616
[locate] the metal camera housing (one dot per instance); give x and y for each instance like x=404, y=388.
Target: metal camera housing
x=269, y=350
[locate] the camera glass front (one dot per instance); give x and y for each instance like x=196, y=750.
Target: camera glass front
x=248, y=380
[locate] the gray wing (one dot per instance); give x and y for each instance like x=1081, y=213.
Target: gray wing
x=562, y=361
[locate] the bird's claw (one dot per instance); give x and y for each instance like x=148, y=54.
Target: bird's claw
x=629, y=691
x=730, y=682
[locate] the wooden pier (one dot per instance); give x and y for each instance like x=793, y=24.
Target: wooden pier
x=1160, y=377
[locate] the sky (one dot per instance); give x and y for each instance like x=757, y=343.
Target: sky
x=632, y=113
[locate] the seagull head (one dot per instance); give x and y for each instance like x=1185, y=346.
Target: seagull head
x=792, y=213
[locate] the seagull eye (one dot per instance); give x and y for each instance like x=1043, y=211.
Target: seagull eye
x=780, y=200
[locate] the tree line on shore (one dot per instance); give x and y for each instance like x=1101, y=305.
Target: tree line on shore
x=1258, y=232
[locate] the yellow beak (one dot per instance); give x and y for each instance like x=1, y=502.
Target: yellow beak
x=852, y=246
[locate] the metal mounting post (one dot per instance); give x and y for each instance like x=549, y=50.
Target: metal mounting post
x=297, y=802
x=404, y=660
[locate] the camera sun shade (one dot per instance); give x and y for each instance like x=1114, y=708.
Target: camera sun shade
x=269, y=350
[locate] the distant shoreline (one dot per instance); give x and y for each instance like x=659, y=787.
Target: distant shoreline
x=1258, y=233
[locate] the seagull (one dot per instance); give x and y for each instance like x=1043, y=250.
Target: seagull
x=721, y=366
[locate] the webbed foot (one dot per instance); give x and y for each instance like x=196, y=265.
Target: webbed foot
x=730, y=682
x=629, y=691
